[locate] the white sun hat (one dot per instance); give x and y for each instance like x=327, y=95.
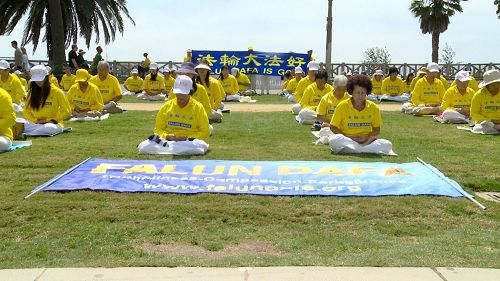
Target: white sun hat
x=433, y=67
x=38, y=73
x=298, y=70
x=463, y=76
x=4, y=64
x=183, y=85
x=490, y=77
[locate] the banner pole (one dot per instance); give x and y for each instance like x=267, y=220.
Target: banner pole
x=467, y=195
x=43, y=186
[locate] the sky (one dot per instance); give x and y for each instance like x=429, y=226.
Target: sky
x=167, y=28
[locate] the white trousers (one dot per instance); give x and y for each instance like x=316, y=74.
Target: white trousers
x=409, y=108
x=403, y=98
x=5, y=143
x=306, y=116
x=291, y=98
x=145, y=96
x=221, y=106
x=373, y=97
x=194, y=147
x=485, y=127
x=235, y=97
x=296, y=108
x=342, y=144
x=454, y=117
x=215, y=116
x=33, y=129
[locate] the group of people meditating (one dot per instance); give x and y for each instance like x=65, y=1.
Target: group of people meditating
x=348, y=118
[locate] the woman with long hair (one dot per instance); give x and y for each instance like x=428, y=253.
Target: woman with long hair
x=214, y=91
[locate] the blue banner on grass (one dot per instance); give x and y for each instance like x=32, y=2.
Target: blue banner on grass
x=251, y=62
x=286, y=178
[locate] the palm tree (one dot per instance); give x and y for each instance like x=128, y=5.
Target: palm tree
x=497, y=3
x=434, y=17
x=63, y=21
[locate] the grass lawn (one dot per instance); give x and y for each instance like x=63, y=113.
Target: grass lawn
x=110, y=229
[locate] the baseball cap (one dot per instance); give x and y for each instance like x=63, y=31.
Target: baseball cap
x=433, y=67
x=134, y=71
x=378, y=72
x=313, y=65
x=81, y=51
x=234, y=71
x=4, y=64
x=38, y=73
x=463, y=76
x=183, y=85
x=166, y=70
x=153, y=65
x=422, y=70
x=82, y=75
x=298, y=70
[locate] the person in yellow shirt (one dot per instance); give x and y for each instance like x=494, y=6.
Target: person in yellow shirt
x=7, y=120
x=444, y=81
x=153, y=86
x=376, y=80
x=181, y=126
x=393, y=87
x=189, y=56
x=312, y=68
x=144, y=65
x=12, y=85
x=168, y=80
x=243, y=82
x=52, y=78
x=312, y=96
x=472, y=83
x=291, y=87
x=84, y=97
x=133, y=84
x=67, y=80
x=286, y=79
x=46, y=106
x=24, y=83
x=109, y=87
x=230, y=85
x=420, y=74
x=408, y=81
x=457, y=100
x=485, y=108
x=356, y=122
x=329, y=102
x=427, y=95
x=214, y=91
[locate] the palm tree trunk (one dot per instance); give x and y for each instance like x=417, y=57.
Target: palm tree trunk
x=56, y=32
x=435, y=47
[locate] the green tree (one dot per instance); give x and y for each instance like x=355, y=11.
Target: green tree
x=447, y=55
x=434, y=17
x=375, y=58
x=60, y=22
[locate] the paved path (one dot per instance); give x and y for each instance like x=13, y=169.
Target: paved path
x=252, y=274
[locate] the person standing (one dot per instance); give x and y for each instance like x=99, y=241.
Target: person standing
x=18, y=56
x=25, y=60
x=73, y=64
x=80, y=59
x=96, y=60
x=144, y=66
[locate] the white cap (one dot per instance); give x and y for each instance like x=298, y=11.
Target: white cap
x=433, y=67
x=183, y=85
x=298, y=70
x=490, y=76
x=166, y=70
x=463, y=76
x=49, y=69
x=4, y=64
x=153, y=65
x=234, y=71
x=38, y=73
x=378, y=72
x=134, y=71
x=18, y=72
x=313, y=65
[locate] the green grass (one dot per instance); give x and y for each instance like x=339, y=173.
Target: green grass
x=107, y=229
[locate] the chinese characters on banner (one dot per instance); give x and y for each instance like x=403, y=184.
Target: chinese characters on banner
x=251, y=62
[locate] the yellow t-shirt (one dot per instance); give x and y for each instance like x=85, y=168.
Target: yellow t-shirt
x=134, y=84
x=328, y=104
x=169, y=84
x=445, y=82
x=190, y=121
x=230, y=85
x=485, y=106
x=242, y=78
x=7, y=114
x=454, y=100
x=377, y=86
x=56, y=108
x=53, y=80
x=396, y=87
x=301, y=87
x=215, y=93
x=91, y=99
x=147, y=62
x=24, y=83
x=14, y=87
x=291, y=87
x=352, y=122
x=109, y=87
x=200, y=96
x=426, y=93
x=285, y=84
x=312, y=95
x=472, y=84
x=67, y=81
x=408, y=86
x=414, y=82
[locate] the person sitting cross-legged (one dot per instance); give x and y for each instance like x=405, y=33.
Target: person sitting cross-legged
x=153, y=86
x=427, y=95
x=181, y=126
x=108, y=86
x=356, y=122
x=84, y=97
x=377, y=80
x=393, y=87
x=133, y=84
x=312, y=96
x=457, y=99
x=485, y=108
x=312, y=68
x=7, y=120
x=291, y=87
x=330, y=101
